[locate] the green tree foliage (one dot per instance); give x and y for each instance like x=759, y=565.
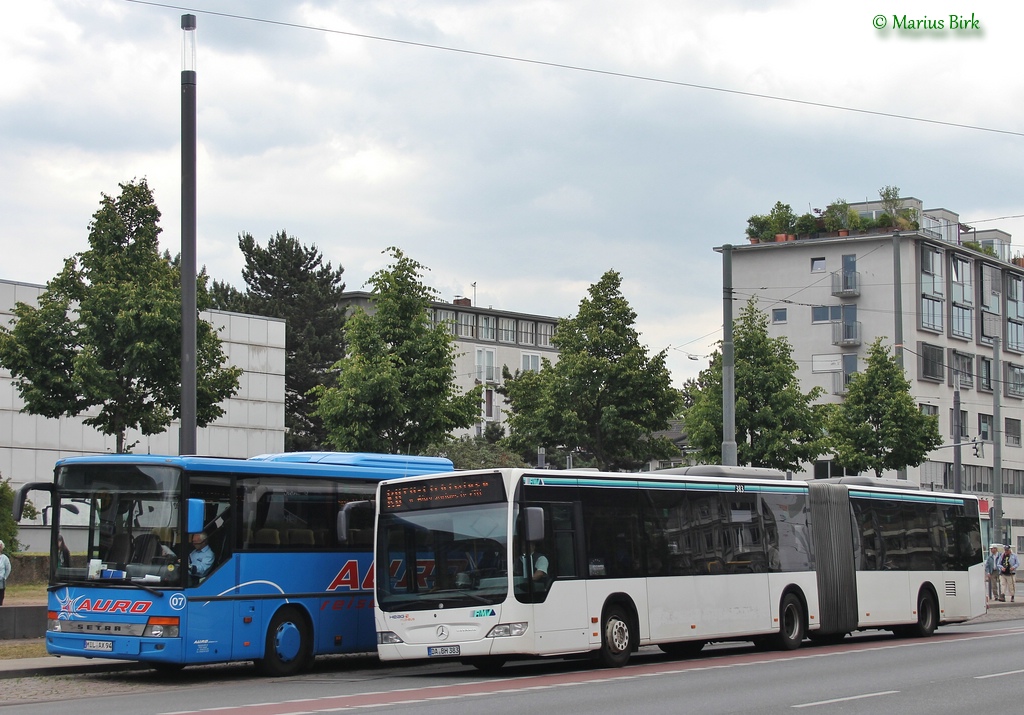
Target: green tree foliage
x=776, y=424
x=106, y=334
x=604, y=396
x=395, y=390
x=8, y=527
x=290, y=281
x=878, y=426
x=475, y=453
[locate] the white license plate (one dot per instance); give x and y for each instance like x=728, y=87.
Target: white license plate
x=100, y=645
x=443, y=650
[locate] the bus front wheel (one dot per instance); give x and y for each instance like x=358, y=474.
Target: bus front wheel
x=927, y=617
x=616, y=640
x=791, y=623
x=288, y=644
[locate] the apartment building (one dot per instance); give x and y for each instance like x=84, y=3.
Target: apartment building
x=947, y=293
x=486, y=340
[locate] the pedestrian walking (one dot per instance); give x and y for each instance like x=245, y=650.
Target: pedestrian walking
x=1008, y=564
x=5, y=571
x=992, y=572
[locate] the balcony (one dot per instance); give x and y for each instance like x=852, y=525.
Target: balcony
x=846, y=334
x=846, y=284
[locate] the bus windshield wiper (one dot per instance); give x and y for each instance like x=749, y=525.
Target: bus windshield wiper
x=93, y=582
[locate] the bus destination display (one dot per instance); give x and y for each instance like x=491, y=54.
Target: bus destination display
x=446, y=491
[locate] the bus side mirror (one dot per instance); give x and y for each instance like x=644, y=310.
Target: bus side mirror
x=196, y=513
x=534, y=523
x=21, y=496
x=348, y=518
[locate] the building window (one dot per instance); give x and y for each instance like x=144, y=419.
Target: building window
x=849, y=368
x=506, y=330
x=1012, y=432
x=1015, y=313
x=1015, y=380
x=778, y=316
x=931, y=362
x=932, y=288
x=985, y=430
x=961, y=367
x=445, y=317
x=531, y=362
x=962, y=297
x=985, y=373
x=485, y=371
x=818, y=265
x=931, y=314
x=545, y=331
x=527, y=332
x=486, y=327
x=932, y=410
x=466, y=327
x=488, y=406
x=964, y=426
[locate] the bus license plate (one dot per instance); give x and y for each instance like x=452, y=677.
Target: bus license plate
x=100, y=645
x=442, y=650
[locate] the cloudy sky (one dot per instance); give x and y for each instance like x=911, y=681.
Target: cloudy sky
x=551, y=141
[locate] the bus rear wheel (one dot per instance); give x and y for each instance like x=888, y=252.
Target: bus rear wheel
x=616, y=638
x=288, y=647
x=791, y=623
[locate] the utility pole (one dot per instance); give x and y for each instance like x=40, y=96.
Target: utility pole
x=189, y=313
x=957, y=427
x=997, y=449
x=729, y=456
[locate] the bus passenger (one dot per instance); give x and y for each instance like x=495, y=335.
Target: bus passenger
x=201, y=558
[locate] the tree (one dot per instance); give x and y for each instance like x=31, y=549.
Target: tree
x=878, y=426
x=8, y=526
x=604, y=396
x=395, y=390
x=776, y=424
x=106, y=334
x=475, y=453
x=290, y=281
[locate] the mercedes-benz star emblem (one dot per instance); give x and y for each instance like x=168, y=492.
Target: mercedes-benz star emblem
x=442, y=633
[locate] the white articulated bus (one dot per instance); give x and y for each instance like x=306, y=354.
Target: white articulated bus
x=485, y=566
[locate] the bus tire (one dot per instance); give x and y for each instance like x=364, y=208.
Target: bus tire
x=488, y=664
x=682, y=649
x=616, y=638
x=927, y=616
x=288, y=648
x=168, y=668
x=792, y=626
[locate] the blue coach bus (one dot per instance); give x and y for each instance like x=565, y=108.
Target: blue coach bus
x=291, y=537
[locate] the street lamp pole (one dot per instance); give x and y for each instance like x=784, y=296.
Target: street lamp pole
x=189, y=313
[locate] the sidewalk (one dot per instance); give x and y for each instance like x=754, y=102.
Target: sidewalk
x=70, y=665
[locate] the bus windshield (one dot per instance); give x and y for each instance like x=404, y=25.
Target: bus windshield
x=133, y=517
x=459, y=553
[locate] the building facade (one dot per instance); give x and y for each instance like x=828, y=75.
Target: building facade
x=253, y=421
x=486, y=340
x=945, y=292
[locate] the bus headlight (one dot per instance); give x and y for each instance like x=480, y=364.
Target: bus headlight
x=161, y=627
x=506, y=630
x=388, y=638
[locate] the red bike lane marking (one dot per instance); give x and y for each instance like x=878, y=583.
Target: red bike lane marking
x=537, y=682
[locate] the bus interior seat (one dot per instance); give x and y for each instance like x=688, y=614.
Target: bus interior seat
x=300, y=537
x=120, y=548
x=267, y=537
x=145, y=549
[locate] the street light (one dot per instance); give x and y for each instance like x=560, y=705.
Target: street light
x=187, y=433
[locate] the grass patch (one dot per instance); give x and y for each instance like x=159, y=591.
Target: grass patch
x=25, y=593
x=25, y=648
